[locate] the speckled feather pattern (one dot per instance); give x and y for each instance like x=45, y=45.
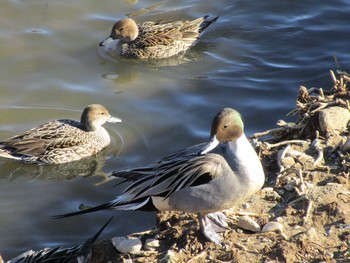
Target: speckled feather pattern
x=57, y=141
x=164, y=39
x=61, y=141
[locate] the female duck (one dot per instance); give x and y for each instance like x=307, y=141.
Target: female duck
x=155, y=40
x=61, y=141
x=201, y=179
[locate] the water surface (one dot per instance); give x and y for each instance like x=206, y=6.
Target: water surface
x=253, y=58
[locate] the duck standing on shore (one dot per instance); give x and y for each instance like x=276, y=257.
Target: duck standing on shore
x=156, y=40
x=203, y=179
x=61, y=141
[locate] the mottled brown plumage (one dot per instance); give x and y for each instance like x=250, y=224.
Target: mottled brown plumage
x=61, y=141
x=154, y=40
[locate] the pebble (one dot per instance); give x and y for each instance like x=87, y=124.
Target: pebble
x=127, y=245
x=272, y=195
x=311, y=233
x=333, y=119
x=274, y=227
x=248, y=223
x=287, y=161
x=289, y=187
x=245, y=205
x=151, y=244
x=346, y=146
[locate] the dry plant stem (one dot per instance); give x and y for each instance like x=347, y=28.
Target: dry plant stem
x=319, y=153
x=344, y=196
x=199, y=257
x=241, y=247
x=268, y=132
x=302, y=197
x=328, y=104
x=333, y=77
x=230, y=213
x=280, y=157
x=308, y=210
x=301, y=187
x=284, y=143
x=147, y=232
x=282, y=173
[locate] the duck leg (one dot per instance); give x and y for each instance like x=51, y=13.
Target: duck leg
x=212, y=223
x=219, y=221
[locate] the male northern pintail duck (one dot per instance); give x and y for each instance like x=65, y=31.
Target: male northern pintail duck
x=61, y=141
x=77, y=254
x=203, y=179
x=154, y=40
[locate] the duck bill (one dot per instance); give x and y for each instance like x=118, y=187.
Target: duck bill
x=106, y=41
x=113, y=119
x=211, y=145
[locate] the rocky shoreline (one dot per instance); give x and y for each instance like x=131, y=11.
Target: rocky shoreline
x=302, y=214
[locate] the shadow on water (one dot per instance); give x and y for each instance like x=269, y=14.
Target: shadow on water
x=12, y=170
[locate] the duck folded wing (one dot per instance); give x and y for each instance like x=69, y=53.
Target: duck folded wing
x=164, y=178
x=54, y=135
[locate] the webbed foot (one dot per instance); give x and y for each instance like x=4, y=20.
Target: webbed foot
x=212, y=223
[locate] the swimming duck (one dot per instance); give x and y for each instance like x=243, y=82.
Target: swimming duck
x=61, y=141
x=155, y=40
x=203, y=179
x=77, y=254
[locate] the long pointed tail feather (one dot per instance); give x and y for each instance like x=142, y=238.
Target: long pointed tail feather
x=86, y=211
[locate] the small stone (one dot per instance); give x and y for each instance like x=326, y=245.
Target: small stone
x=272, y=227
x=289, y=187
x=272, y=196
x=346, y=146
x=333, y=119
x=287, y=161
x=151, y=244
x=127, y=245
x=245, y=205
x=248, y=223
x=311, y=233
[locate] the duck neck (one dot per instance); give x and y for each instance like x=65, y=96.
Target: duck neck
x=241, y=148
x=246, y=160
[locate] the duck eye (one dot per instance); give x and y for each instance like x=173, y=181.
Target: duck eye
x=225, y=126
x=121, y=29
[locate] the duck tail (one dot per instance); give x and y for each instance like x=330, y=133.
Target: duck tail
x=117, y=204
x=7, y=154
x=87, y=244
x=105, y=206
x=206, y=23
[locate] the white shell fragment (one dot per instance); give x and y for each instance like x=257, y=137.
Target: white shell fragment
x=127, y=245
x=248, y=223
